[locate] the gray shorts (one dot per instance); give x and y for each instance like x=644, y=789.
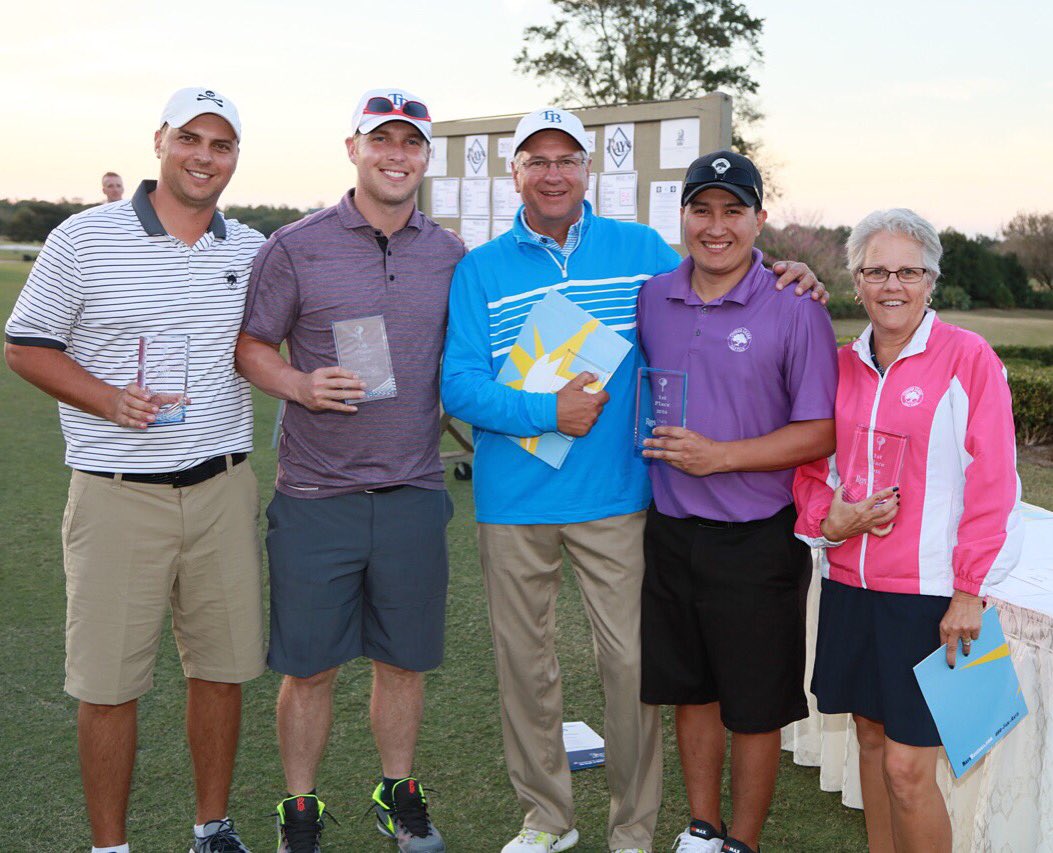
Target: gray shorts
x=355, y=575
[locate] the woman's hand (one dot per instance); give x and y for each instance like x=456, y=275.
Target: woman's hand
x=873, y=515
x=961, y=621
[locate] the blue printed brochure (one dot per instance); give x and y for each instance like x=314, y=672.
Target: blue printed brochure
x=977, y=703
x=584, y=747
x=558, y=341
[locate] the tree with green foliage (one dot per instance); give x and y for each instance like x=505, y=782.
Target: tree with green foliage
x=626, y=51
x=991, y=280
x=1029, y=236
x=263, y=217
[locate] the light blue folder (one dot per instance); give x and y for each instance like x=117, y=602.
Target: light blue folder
x=977, y=703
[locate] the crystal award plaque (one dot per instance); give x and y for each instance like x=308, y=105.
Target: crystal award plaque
x=164, y=363
x=661, y=400
x=362, y=348
x=872, y=469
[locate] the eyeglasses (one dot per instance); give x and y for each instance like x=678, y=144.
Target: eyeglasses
x=879, y=275
x=540, y=166
x=385, y=106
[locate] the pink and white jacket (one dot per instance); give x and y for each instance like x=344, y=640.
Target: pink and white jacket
x=958, y=526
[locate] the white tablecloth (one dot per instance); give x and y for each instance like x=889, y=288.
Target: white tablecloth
x=1005, y=803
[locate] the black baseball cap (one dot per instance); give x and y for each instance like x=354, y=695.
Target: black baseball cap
x=727, y=171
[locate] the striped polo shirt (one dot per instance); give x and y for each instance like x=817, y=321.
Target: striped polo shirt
x=112, y=273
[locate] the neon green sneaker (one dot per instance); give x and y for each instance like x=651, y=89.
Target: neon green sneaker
x=300, y=820
x=405, y=819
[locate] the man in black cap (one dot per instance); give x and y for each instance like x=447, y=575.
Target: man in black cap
x=725, y=579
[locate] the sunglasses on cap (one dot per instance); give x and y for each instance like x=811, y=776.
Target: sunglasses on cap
x=380, y=106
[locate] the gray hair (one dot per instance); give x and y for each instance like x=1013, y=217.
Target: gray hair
x=898, y=220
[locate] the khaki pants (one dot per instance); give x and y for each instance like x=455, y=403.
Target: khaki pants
x=522, y=569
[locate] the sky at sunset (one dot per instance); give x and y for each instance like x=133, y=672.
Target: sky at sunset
x=946, y=107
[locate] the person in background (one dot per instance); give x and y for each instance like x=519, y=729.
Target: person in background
x=725, y=584
x=905, y=567
x=161, y=518
x=112, y=186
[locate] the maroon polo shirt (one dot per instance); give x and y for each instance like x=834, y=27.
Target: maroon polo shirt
x=328, y=267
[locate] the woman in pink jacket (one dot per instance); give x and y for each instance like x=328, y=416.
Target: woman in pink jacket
x=915, y=518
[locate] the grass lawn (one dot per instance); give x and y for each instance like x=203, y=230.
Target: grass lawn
x=1020, y=328
x=460, y=746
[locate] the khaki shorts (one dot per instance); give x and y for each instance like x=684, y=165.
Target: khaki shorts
x=134, y=550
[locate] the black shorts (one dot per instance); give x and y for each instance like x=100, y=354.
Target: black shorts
x=865, y=654
x=723, y=618
x=361, y=574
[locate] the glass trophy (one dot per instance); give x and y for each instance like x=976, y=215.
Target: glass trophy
x=362, y=348
x=164, y=364
x=860, y=477
x=661, y=400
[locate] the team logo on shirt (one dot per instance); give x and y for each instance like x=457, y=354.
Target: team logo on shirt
x=740, y=339
x=232, y=279
x=912, y=396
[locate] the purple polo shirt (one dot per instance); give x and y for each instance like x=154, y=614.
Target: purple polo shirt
x=757, y=359
x=328, y=267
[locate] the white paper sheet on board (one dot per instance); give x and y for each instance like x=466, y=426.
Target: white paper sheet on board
x=475, y=232
x=446, y=197
x=618, y=195
x=437, y=158
x=678, y=143
x=664, y=209
x=476, y=156
x=475, y=197
x=618, y=144
x=505, y=198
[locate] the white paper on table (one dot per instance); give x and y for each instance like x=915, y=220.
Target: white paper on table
x=590, y=142
x=1030, y=583
x=664, y=209
x=618, y=144
x=506, y=200
x=446, y=197
x=499, y=227
x=590, y=193
x=476, y=156
x=678, y=143
x=618, y=195
x=437, y=158
x=475, y=232
x=475, y=197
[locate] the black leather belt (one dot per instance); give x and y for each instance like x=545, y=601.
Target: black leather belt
x=178, y=479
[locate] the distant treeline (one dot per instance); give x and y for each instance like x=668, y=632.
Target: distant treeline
x=31, y=221
x=977, y=272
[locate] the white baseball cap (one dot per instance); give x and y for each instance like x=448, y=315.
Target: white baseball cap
x=187, y=104
x=378, y=106
x=550, y=118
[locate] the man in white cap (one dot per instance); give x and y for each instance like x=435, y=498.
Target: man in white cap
x=592, y=508
x=358, y=467
x=162, y=507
